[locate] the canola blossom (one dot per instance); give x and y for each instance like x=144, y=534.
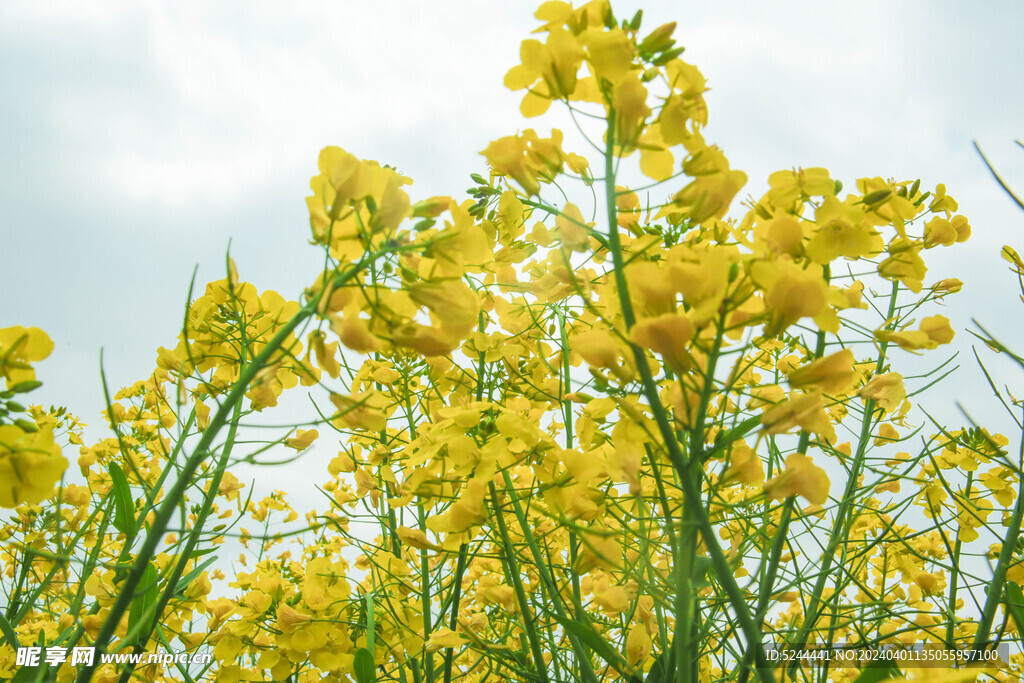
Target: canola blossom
x=562, y=429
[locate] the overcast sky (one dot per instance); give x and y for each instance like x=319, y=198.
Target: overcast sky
x=138, y=138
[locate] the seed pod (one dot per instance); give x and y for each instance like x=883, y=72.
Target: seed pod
x=877, y=197
x=666, y=57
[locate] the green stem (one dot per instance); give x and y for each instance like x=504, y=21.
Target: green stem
x=190, y=545
x=547, y=580
x=513, y=574
x=453, y=622
x=995, y=589
x=691, y=494
x=846, y=505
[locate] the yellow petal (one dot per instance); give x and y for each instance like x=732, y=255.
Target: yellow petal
x=354, y=333
x=833, y=374
x=638, y=644
x=302, y=439
x=801, y=477
x=668, y=335
x=656, y=164
x=452, y=302
x=443, y=638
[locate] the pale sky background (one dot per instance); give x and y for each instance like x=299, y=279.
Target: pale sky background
x=137, y=138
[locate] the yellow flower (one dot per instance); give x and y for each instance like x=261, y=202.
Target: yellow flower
x=600, y=349
x=527, y=158
x=288, y=619
x=230, y=486
x=442, y=638
x=791, y=292
x=30, y=465
x=466, y=511
x=708, y=196
x=629, y=98
x=638, y=644
x=904, y=263
x=359, y=411
x=452, y=302
x=554, y=63
x=833, y=374
x=78, y=496
x=507, y=156
x=806, y=411
x=946, y=232
x=667, y=335
x=20, y=346
x=886, y=434
x=783, y=234
x=428, y=341
x=353, y=332
x=950, y=285
x=886, y=390
x=842, y=230
x=302, y=440
x=609, y=53
x=573, y=230
x=416, y=538
x=789, y=187
x=930, y=583
x=933, y=331
x=801, y=477
x=744, y=466
x=702, y=277
x=325, y=353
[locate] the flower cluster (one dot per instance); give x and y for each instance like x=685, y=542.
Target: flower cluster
x=550, y=441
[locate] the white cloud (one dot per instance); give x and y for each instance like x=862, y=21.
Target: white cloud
x=145, y=124
x=233, y=98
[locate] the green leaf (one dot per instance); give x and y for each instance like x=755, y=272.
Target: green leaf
x=366, y=670
x=599, y=645
x=727, y=437
x=184, y=581
x=1015, y=602
x=657, y=672
x=371, y=626
x=27, y=674
x=701, y=568
x=8, y=632
x=144, y=599
x=124, y=506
